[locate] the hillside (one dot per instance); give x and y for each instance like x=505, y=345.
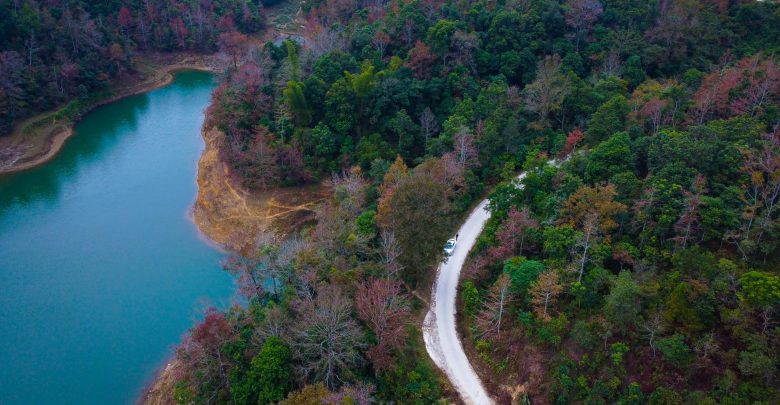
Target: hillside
x=643, y=269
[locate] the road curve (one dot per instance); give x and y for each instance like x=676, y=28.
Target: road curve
x=439, y=328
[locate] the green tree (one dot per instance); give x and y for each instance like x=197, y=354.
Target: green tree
x=410, y=383
x=296, y=101
x=675, y=351
x=623, y=305
x=315, y=394
x=404, y=131
x=340, y=108
x=270, y=371
x=366, y=223
x=440, y=34
x=618, y=350
x=608, y=119
x=372, y=148
x=292, y=59
x=610, y=158
x=762, y=292
x=679, y=310
x=633, y=70
x=558, y=241
x=415, y=210
x=757, y=363
x=362, y=83
x=470, y=297
x=522, y=274
x=323, y=145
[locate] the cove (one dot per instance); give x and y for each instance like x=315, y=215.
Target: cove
x=101, y=271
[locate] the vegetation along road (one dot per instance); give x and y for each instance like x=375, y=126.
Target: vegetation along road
x=439, y=328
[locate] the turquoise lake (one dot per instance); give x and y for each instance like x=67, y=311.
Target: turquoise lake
x=101, y=270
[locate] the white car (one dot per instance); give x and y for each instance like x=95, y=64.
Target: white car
x=449, y=247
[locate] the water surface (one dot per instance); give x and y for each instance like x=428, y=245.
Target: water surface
x=101, y=272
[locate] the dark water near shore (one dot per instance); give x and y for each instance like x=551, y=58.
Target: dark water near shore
x=101, y=271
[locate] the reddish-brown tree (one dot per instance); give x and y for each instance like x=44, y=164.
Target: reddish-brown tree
x=201, y=354
x=232, y=43
x=581, y=15
x=513, y=231
x=592, y=210
x=384, y=309
x=180, y=31
x=744, y=88
x=572, y=140
x=420, y=59
x=125, y=19
x=653, y=112
x=688, y=223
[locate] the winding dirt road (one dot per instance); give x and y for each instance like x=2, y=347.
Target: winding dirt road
x=439, y=330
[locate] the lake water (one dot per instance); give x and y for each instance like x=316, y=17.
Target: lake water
x=101, y=271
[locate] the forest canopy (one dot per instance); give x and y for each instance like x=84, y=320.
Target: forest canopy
x=55, y=51
x=640, y=267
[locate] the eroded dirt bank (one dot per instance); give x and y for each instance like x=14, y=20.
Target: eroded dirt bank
x=233, y=217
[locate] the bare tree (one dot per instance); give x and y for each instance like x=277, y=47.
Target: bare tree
x=390, y=252
x=581, y=249
x=324, y=39
x=581, y=15
x=463, y=45
x=32, y=47
x=611, y=65
x=705, y=348
x=327, y=337
x=11, y=68
x=544, y=292
x=547, y=92
x=465, y=150
x=429, y=124
x=380, y=42
x=261, y=270
x=762, y=194
x=143, y=30
x=653, y=326
x=201, y=352
x=447, y=171
x=275, y=322
x=495, y=309
x=349, y=189
x=358, y=394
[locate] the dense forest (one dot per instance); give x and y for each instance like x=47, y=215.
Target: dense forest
x=641, y=266
x=56, y=51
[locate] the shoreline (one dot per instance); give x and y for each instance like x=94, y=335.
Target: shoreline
x=59, y=133
x=230, y=219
